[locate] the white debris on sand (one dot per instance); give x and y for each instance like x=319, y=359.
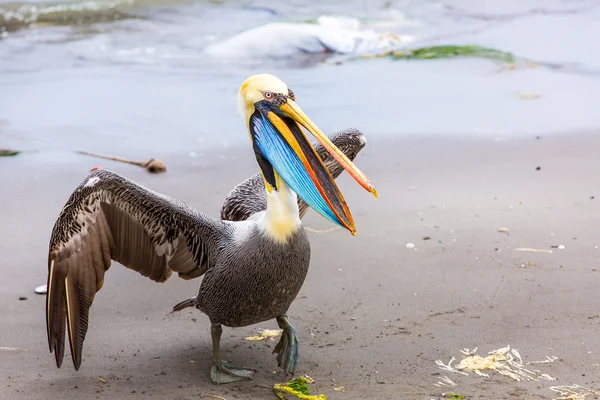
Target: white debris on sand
x=445, y=382
x=12, y=349
x=533, y=250
x=313, y=230
x=448, y=367
x=549, y=359
x=265, y=334
x=42, y=289
x=505, y=361
x=508, y=361
x=573, y=392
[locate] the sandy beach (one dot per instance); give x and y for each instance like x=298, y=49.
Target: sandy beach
x=485, y=234
x=374, y=315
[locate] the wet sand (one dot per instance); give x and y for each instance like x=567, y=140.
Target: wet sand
x=373, y=315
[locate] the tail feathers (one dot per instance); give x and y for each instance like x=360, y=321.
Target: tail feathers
x=191, y=302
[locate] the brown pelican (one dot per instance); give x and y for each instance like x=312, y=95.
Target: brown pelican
x=252, y=269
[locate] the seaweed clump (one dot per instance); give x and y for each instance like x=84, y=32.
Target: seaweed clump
x=453, y=51
x=9, y=153
x=298, y=388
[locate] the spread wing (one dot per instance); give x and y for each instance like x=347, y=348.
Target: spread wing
x=109, y=217
x=248, y=197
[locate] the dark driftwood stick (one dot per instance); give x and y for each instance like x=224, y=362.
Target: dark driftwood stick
x=153, y=165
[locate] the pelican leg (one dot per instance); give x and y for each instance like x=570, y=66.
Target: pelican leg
x=287, y=348
x=222, y=371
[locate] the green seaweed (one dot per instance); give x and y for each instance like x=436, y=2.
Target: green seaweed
x=299, y=385
x=8, y=153
x=454, y=396
x=298, y=388
x=453, y=51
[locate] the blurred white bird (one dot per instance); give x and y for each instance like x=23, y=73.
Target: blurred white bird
x=330, y=34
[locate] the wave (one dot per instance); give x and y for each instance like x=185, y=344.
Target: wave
x=16, y=16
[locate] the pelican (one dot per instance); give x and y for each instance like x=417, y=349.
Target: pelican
x=252, y=269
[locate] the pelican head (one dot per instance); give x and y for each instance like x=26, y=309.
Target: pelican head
x=283, y=151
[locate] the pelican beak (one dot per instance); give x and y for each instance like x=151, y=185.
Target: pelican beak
x=281, y=145
x=293, y=111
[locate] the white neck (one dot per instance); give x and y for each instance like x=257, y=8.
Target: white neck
x=282, y=217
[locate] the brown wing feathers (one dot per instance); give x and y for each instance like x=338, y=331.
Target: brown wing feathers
x=109, y=217
x=75, y=275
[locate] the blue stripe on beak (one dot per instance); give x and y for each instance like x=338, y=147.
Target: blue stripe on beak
x=289, y=166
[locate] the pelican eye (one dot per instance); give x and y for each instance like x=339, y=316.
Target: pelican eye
x=269, y=95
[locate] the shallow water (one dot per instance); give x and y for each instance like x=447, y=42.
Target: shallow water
x=132, y=79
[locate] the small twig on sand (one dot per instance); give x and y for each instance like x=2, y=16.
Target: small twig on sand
x=12, y=349
x=534, y=250
x=308, y=228
x=153, y=165
x=214, y=396
x=573, y=392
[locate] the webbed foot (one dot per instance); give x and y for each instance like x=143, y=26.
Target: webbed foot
x=287, y=348
x=223, y=372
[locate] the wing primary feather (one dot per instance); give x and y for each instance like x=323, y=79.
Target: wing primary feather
x=71, y=316
x=56, y=312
